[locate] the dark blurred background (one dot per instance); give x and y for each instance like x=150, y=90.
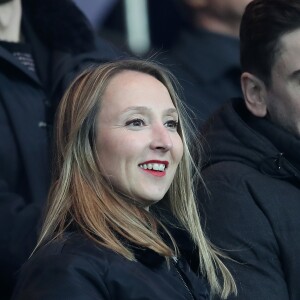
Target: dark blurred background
x=138, y=26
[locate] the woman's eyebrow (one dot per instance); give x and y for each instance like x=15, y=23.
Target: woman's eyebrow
x=144, y=109
x=136, y=109
x=171, y=111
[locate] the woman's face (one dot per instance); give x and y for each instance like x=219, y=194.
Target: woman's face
x=137, y=139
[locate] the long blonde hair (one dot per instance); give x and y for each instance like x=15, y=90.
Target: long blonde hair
x=82, y=197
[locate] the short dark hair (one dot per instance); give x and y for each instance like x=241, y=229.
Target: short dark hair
x=263, y=24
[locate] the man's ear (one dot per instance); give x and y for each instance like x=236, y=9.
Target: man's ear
x=254, y=91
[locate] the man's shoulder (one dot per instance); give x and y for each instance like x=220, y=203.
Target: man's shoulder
x=228, y=170
x=240, y=178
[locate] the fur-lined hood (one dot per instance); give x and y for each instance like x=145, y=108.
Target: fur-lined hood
x=60, y=25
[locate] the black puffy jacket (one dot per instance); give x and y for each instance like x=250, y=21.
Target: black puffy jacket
x=252, y=171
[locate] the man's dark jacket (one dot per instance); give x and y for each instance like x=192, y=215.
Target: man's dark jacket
x=62, y=44
x=251, y=209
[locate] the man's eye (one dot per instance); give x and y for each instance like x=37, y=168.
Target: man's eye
x=171, y=124
x=135, y=123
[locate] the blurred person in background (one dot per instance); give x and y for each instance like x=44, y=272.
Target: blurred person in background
x=43, y=45
x=205, y=56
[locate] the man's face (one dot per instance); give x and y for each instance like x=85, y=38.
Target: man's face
x=283, y=96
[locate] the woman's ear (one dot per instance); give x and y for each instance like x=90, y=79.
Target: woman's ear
x=254, y=91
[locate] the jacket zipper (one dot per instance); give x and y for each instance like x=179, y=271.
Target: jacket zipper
x=178, y=271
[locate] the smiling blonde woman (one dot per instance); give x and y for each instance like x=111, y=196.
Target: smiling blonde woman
x=122, y=222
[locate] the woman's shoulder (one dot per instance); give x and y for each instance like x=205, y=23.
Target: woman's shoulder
x=65, y=267
x=74, y=246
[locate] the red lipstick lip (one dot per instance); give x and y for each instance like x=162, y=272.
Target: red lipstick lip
x=155, y=173
x=165, y=162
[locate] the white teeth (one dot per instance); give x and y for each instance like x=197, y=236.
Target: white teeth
x=155, y=166
x=161, y=167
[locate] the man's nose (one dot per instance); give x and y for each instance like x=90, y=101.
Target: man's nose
x=161, y=139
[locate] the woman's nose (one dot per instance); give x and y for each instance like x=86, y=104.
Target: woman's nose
x=161, y=139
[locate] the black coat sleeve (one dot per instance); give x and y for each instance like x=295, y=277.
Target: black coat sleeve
x=20, y=211
x=18, y=234
x=238, y=224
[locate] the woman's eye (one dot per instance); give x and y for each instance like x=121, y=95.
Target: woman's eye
x=171, y=124
x=135, y=123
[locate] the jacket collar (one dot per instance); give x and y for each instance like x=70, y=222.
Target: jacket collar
x=253, y=141
x=40, y=53
x=186, y=246
x=10, y=59
x=287, y=161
